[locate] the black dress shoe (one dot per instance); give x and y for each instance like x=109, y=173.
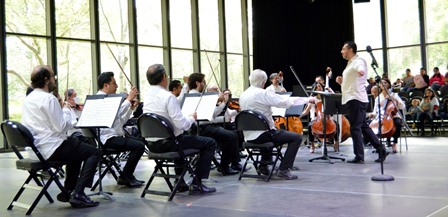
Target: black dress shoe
x=355, y=161
x=228, y=171
x=238, y=167
x=183, y=187
x=385, y=153
x=130, y=183
x=195, y=190
x=64, y=196
x=81, y=200
x=264, y=170
x=135, y=179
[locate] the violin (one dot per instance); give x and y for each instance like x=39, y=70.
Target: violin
x=79, y=107
x=234, y=105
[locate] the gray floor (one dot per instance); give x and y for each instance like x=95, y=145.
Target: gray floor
x=420, y=188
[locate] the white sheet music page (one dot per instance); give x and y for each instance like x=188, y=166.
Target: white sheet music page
x=205, y=109
x=280, y=111
x=99, y=112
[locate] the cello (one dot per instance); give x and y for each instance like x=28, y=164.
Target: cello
x=387, y=123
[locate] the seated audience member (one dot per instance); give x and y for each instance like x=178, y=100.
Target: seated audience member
x=420, y=81
x=413, y=111
x=428, y=107
x=162, y=102
x=436, y=81
x=258, y=99
x=443, y=110
x=227, y=139
x=48, y=123
x=408, y=81
x=444, y=89
x=113, y=137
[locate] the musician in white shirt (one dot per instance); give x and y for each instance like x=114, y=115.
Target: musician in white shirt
x=275, y=84
x=256, y=98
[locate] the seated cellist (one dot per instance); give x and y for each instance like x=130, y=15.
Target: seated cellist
x=384, y=98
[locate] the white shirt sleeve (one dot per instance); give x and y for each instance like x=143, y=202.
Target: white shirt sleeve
x=179, y=120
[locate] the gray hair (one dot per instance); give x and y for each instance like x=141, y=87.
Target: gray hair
x=258, y=78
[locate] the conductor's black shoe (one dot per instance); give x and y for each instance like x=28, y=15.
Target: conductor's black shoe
x=285, y=174
x=81, y=200
x=195, y=190
x=355, y=161
x=238, y=167
x=228, y=171
x=131, y=183
x=383, y=158
x=183, y=187
x=64, y=196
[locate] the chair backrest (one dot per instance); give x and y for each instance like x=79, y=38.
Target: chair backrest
x=153, y=125
x=18, y=136
x=251, y=120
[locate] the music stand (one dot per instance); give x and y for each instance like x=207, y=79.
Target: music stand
x=331, y=104
x=100, y=111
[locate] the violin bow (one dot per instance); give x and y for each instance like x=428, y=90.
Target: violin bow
x=297, y=77
x=119, y=65
x=213, y=72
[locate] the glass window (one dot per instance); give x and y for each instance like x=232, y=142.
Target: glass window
x=402, y=58
x=235, y=74
x=402, y=22
x=233, y=26
x=436, y=20
x=25, y=16
x=149, y=22
x=147, y=57
x=209, y=61
x=379, y=58
x=114, y=21
x=75, y=67
x=24, y=53
x=249, y=26
x=180, y=20
x=108, y=64
x=436, y=55
x=209, y=25
x=367, y=24
x=73, y=19
x=182, y=64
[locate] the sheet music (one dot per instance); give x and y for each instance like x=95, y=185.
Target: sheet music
x=99, y=112
x=206, y=106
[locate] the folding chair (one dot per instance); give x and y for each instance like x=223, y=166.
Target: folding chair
x=255, y=121
x=18, y=136
x=153, y=126
x=109, y=158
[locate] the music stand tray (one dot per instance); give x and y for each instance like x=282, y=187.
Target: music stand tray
x=331, y=104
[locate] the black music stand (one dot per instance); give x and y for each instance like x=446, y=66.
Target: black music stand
x=331, y=104
x=99, y=112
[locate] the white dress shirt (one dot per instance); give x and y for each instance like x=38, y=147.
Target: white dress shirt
x=352, y=86
x=182, y=93
x=124, y=114
x=277, y=88
x=46, y=120
x=74, y=116
x=162, y=102
x=261, y=100
x=400, y=105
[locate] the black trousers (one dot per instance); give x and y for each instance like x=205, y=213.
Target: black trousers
x=76, y=152
x=207, y=147
x=227, y=140
x=134, y=145
x=280, y=137
x=360, y=128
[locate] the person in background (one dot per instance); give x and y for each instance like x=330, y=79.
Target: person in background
x=436, y=81
x=275, y=84
x=408, y=81
x=444, y=89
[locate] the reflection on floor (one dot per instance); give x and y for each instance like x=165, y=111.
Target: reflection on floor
x=340, y=189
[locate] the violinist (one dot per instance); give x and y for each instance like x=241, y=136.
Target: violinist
x=275, y=83
x=384, y=99
x=227, y=139
x=354, y=95
x=75, y=106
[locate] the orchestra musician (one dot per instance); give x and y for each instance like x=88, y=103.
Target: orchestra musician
x=227, y=139
x=256, y=98
x=355, y=96
x=113, y=137
x=384, y=98
x=311, y=108
x=275, y=83
x=75, y=106
x=48, y=123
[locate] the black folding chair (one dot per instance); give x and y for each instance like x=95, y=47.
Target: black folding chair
x=153, y=126
x=18, y=136
x=251, y=120
x=109, y=159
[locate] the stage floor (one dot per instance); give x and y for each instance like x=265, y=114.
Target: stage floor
x=420, y=189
